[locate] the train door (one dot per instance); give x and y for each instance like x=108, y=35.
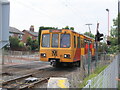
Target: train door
x=82, y=46
x=76, y=46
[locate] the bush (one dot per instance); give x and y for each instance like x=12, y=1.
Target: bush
x=32, y=44
x=14, y=43
x=21, y=44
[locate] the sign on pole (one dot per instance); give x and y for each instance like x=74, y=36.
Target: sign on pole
x=4, y=22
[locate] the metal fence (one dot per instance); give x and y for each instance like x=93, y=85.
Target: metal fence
x=77, y=77
x=19, y=57
x=107, y=78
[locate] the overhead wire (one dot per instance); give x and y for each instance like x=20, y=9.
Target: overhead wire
x=41, y=10
x=74, y=10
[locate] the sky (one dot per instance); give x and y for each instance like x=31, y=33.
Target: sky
x=61, y=13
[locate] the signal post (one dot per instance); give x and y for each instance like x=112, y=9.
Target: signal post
x=98, y=38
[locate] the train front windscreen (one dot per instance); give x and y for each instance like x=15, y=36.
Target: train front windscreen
x=64, y=40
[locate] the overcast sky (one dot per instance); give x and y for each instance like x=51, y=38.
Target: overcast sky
x=61, y=13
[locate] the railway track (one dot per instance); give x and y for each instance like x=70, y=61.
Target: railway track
x=22, y=84
x=42, y=76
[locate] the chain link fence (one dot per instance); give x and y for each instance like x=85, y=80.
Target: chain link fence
x=78, y=76
x=107, y=78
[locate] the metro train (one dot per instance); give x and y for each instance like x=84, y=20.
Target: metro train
x=64, y=47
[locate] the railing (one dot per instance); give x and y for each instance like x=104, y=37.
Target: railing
x=107, y=78
x=19, y=57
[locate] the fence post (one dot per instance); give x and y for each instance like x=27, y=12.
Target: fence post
x=96, y=54
x=89, y=59
x=82, y=66
x=3, y=56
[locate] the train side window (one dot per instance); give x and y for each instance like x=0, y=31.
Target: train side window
x=82, y=43
x=90, y=44
x=78, y=44
x=74, y=42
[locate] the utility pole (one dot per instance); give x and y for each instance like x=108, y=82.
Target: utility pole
x=89, y=58
x=96, y=41
x=98, y=38
x=89, y=27
x=89, y=53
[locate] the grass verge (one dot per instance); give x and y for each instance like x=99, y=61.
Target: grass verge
x=118, y=85
x=94, y=74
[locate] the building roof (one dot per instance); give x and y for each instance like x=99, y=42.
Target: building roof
x=33, y=33
x=15, y=30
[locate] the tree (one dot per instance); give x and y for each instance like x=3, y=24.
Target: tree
x=14, y=43
x=39, y=35
x=43, y=28
x=32, y=44
x=89, y=34
x=114, y=36
x=29, y=41
x=21, y=45
x=71, y=28
x=67, y=27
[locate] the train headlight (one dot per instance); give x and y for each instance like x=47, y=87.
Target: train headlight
x=43, y=55
x=66, y=56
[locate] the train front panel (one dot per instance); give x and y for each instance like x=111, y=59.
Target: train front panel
x=56, y=45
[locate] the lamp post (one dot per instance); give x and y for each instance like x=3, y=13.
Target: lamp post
x=108, y=22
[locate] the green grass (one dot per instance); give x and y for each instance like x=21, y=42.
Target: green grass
x=86, y=79
x=94, y=74
x=118, y=85
x=99, y=69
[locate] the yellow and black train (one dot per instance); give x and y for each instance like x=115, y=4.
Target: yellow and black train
x=64, y=47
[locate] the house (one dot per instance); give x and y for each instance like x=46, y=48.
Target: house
x=30, y=33
x=14, y=32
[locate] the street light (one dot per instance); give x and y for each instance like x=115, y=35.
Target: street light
x=108, y=21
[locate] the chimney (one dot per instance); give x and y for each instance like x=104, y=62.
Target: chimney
x=32, y=28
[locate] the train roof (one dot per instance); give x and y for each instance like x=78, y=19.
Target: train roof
x=74, y=32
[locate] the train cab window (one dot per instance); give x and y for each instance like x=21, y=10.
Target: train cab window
x=65, y=41
x=46, y=40
x=74, y=42
x=55, y=40
x=78, y=44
